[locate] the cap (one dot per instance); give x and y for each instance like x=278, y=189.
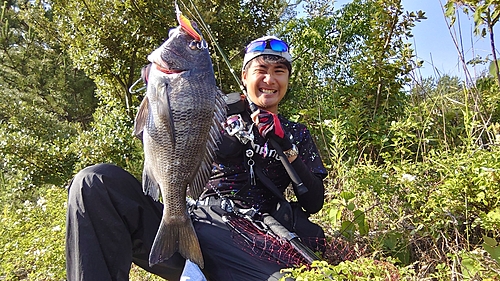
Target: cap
x=266, y=51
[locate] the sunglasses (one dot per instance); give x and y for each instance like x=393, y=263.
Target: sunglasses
x=273, y=44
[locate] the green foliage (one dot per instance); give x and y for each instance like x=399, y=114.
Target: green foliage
x=361, y=269
x=492, y=246
x=342, y=214
x=486, y=14
x=475, y=265
x=30, y=235
x=444, y=192
x=413, y=174
x=490, y=100
x=110, y=140
x=437, y=180
x=30, y=159
x=40, y=73
x=110, y=40
x=350, y=65
x=493, y=68
x=452, y=189
x=44, y=102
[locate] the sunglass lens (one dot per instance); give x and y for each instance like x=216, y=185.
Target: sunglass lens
x=278, y=45
x=258, y=46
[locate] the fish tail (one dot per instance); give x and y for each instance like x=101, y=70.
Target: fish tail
x=176, y=238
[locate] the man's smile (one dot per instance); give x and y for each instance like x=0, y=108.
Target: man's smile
x=267, y=91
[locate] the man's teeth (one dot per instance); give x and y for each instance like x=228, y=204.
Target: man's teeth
x=267, y=91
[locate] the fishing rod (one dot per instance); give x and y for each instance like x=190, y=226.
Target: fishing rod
x=301, y=188
x=278, y=229
x=221, y=52
x=240, y=225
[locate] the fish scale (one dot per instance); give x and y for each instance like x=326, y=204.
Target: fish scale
x=179, y=122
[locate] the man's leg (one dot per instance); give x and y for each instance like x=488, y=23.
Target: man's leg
x=226, y=259
x=110, y=224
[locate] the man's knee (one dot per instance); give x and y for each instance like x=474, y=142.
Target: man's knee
x=90, y=178
x=103, y=169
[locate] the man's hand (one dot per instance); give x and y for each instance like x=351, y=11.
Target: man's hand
x=270, y=126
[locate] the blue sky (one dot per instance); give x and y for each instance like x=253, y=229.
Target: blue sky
x=433, y=42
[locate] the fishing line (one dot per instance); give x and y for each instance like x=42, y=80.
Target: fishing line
x=206, y=28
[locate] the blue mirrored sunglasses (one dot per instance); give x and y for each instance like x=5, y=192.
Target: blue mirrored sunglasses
x=273, y=44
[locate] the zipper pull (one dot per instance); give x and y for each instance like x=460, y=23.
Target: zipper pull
x=251, y=163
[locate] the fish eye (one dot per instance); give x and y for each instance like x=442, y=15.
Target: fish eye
x=193, y=45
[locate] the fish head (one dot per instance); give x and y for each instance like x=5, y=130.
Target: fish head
x=184, y=50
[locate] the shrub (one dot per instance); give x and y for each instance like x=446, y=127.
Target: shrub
x=32, y=236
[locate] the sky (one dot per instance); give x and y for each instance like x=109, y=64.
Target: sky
x=433, y=42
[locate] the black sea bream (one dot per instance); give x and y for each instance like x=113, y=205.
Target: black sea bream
x=179, y=122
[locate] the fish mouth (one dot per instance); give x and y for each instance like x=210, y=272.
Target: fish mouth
x=167, y=70
x=164, y=67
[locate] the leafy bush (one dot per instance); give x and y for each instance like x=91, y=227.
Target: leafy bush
x=32, y=235
x=34, y=146
x=110, y=139
x=360, y=269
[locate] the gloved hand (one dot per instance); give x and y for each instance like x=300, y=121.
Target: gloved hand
x=270, y=126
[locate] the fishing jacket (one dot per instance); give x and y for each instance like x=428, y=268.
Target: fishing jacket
x=233, y=172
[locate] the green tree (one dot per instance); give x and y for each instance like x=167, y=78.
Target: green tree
x=350, y=66
x=44, y=102
x=110, y=39
x=486, y=14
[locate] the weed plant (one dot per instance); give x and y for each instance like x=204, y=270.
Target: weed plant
x=430, y=209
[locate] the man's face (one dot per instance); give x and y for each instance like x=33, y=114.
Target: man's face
x=266, y=83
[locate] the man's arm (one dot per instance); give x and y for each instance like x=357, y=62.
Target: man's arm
x=312, y=200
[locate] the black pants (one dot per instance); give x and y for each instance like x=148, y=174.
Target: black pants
x=111, y=223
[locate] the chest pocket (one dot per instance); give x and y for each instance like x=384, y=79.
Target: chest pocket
x=229, y=148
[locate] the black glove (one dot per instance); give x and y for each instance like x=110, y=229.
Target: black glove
x=270, y=126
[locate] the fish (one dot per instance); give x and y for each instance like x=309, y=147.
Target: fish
x=179, y=121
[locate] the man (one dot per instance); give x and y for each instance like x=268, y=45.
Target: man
x=111, y=224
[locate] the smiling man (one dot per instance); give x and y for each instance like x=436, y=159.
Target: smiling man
x=247, y=164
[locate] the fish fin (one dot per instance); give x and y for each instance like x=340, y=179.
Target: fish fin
x=164, y=110
x=149, y=185
x=197, y=185
x=140, y=118
x=172, y=238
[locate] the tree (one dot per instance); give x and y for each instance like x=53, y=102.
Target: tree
x=43, y=103
x=350, y=66
x=486, y=14
x=109, y=39
x=41, y=68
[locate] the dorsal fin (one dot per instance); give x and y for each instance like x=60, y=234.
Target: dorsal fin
x=197, y=186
